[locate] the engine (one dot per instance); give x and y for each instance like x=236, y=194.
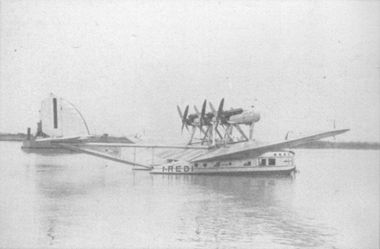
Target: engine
x=247, y=117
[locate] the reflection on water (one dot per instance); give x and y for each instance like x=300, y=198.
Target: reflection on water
x=250, y=210
x=78, y=201
x=59, y=187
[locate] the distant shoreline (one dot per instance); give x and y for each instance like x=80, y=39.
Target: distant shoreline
x=10, y=137
x=19, y=137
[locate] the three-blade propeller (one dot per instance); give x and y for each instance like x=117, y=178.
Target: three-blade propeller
x=203, y=117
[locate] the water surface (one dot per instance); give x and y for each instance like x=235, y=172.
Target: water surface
x=75, y=200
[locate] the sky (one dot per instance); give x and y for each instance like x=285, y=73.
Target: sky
x=127, y=64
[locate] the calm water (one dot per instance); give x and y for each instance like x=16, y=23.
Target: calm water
x=64, y=201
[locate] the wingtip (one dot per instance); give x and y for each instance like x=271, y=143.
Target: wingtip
x=344, y=130
x=340, y=131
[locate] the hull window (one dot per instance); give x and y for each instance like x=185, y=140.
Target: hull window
x=271, y=161
x=247, y=163
x=263, y=162
x=205, y=165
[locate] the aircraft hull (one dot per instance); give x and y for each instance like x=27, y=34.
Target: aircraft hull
x=280, y=162
x=275, y=170
x=47, y=147
x=31, y=145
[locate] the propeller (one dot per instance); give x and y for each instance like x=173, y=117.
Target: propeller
x=179, y=112
x=212, y=107
x=220, y=112
x=183, y=117
x=220, y=109
x=196, y=109
x=201, y=120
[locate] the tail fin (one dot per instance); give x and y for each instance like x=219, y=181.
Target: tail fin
x=59, y=118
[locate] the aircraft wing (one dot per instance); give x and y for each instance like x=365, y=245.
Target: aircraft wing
x=251, y=149
x=101, y=154
x=92, y=148
x=149, y=146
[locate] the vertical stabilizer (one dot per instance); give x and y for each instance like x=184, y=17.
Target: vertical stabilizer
x=59, y=118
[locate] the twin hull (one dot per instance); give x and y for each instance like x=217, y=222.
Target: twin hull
x=269, y=163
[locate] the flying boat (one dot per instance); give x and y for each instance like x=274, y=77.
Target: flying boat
x=218, y=143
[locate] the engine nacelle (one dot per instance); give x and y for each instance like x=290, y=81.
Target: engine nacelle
x=247, y=117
